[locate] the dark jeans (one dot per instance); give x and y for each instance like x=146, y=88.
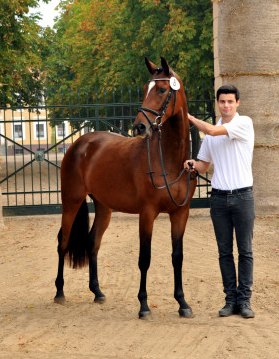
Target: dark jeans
x=229, y=213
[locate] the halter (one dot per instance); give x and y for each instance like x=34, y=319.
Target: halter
x=163, y=110
x=159, y=116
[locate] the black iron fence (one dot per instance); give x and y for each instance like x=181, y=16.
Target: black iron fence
x=34, y=139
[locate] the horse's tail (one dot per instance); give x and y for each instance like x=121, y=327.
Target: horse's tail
x=77, y=249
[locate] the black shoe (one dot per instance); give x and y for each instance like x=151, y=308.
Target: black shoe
x=229, y=309
x=245, y=310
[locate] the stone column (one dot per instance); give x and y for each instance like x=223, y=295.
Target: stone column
x=246, y=53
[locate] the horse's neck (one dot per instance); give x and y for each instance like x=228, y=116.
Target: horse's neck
x=175, y=141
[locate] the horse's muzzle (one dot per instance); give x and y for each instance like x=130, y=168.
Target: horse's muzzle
x=139, y=129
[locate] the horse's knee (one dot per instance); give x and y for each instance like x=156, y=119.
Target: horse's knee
x=177, y=258
x=144, y=265
x=144, y=261
x=144, y=256
x=62, y=249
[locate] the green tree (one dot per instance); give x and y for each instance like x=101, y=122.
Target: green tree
x=20, y=57
x=103, y=43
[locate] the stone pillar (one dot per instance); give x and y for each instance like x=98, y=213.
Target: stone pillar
x=246, y=53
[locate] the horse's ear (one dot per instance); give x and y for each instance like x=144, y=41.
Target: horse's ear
x=165, y=66
x=151, y=67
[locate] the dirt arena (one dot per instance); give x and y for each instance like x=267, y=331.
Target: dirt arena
x=33, y=327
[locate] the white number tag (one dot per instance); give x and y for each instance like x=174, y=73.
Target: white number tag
x=174, y=83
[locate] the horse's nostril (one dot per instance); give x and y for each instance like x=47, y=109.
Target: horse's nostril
x=139, y=129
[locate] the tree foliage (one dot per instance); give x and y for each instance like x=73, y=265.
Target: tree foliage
x=20, y=43
x=103, y=42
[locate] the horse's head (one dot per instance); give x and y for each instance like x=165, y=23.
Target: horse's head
x=163, y=98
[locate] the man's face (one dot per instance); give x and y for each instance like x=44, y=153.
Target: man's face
x=228, y=105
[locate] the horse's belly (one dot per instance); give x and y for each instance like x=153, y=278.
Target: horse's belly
x=120, y=198
x=112, y=182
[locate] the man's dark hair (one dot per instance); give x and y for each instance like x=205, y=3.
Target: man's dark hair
x=228, y=89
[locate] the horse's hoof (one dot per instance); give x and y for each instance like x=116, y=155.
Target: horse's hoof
x=186, y=313
x=59, y=299
x=100, y=300
x=146, y=315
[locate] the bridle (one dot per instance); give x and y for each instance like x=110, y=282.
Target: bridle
x=157, y=126
x=159, y=115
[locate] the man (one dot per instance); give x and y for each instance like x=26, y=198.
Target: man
x=229, y=145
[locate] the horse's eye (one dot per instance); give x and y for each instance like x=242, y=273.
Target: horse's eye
x=162, y=90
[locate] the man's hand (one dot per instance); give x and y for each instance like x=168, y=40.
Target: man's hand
x=200, y=166
x=191, y=118
x=188, y=166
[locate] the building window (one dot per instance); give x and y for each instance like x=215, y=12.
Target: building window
x=18, y=131
x=62, y=130
x=40, y=130
x=18, y=151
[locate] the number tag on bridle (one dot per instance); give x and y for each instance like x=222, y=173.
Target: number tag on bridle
x=174, y=83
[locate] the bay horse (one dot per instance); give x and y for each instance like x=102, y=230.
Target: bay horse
x=141, y=175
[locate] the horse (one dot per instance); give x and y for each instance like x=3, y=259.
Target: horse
x=143, y=174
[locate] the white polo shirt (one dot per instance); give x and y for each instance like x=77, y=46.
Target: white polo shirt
x=231, y=155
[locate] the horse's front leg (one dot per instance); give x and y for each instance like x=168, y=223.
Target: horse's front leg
x=145, y=229
x=178, y=224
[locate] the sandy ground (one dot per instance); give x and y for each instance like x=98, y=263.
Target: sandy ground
x=33, y=326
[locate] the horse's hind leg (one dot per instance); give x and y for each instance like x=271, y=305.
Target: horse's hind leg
x=74, y=215
x=178, y=223
x=63, y=240
x=101, y=222
x=59, y=282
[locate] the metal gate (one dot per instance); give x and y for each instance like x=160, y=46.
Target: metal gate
x=34, y=139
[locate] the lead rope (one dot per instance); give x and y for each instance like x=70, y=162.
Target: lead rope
x=165, y=177
x=164, y=174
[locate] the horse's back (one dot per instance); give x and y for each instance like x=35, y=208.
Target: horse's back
x=95, y=144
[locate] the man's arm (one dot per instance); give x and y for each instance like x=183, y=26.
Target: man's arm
x=207, y=128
